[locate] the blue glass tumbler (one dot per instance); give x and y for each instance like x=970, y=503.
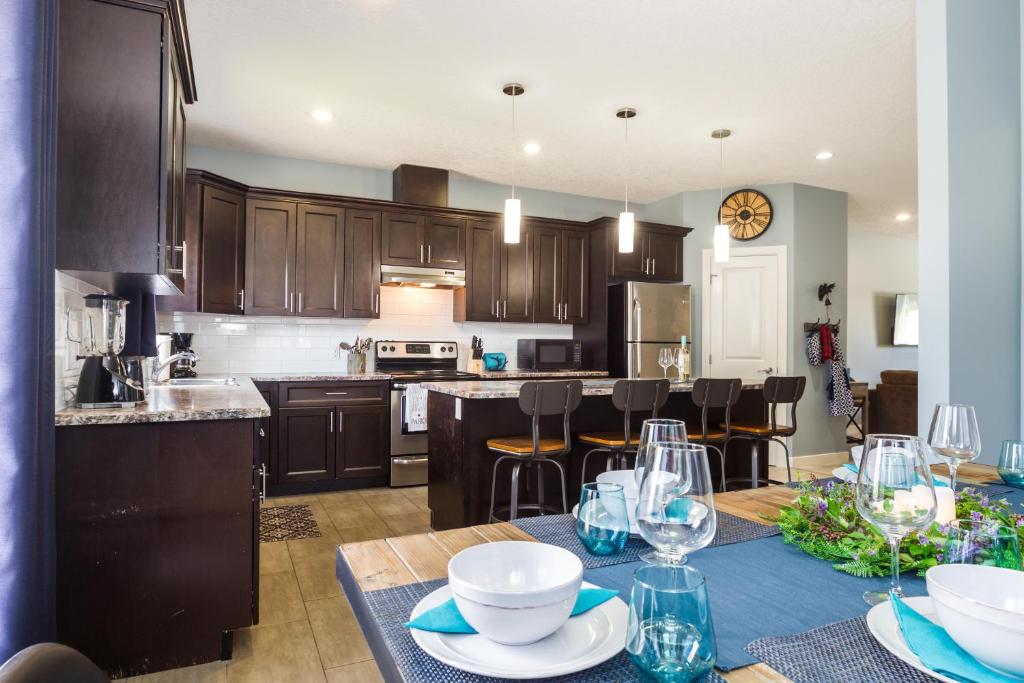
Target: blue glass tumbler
x=602, y=523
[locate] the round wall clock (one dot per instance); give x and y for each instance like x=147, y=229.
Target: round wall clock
x=748, y=213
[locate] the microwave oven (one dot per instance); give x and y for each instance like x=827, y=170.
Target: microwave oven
x=549, y=354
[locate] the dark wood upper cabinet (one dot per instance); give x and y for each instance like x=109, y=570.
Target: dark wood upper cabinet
x=547, y=274
x=657, y=254
x=627, y=265
x=270, y=257
x=516, y=290
x=305, y=442
x=445, y=240
x=478, y=301
x=665, y=251
x=575, y=276
x=361, y=448
x=124, y=76
x=222, y=245
x=402, y=240
x=362, y=263
x=320, y=261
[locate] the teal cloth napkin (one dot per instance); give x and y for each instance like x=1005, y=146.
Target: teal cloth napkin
x=937, y=482
x=939, y=652
x=445, y=618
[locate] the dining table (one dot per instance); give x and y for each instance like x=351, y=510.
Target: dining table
x=370, y=566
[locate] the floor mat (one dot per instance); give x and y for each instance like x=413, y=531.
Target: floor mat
x=287, y=523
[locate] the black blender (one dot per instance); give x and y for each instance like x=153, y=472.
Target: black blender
x=104, y=381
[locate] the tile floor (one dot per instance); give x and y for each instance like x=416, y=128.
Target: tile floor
x=307, y=631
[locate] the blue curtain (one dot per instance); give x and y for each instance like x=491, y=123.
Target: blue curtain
x=27, y=157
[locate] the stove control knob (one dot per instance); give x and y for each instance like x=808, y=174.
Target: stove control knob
x=391, y=348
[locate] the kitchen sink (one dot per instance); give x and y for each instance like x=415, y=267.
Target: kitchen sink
x=200, y=382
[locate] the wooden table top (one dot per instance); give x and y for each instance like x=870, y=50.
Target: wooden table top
x=402, y=560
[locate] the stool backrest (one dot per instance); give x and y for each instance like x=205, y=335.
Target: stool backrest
x=783, y=390
x=644, y=395
x=711, y=393
x=550, y=398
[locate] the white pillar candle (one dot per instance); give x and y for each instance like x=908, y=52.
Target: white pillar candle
x=902, y=500
x=946, y=511
x=922, y=497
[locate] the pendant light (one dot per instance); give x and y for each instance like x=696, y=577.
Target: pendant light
x=721, y=236
x=513, y=208
x=627, y=221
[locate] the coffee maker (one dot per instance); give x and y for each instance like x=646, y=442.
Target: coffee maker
x=104, y=381
x=181, y=342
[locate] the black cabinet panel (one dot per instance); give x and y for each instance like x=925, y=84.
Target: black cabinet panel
x=361, y=442
x=305, y=444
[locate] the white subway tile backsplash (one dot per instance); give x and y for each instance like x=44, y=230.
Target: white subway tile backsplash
x=238, y=344
x=68, y=305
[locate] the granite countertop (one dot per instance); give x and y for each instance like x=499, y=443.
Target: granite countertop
x=326, y=376
x=176, y=404
x=480, y=389
x=527, y=374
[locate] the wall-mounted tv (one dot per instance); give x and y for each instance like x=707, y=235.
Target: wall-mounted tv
x=904, y=329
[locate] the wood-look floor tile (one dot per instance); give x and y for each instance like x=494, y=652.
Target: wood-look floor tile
x=270, y=654
x=213, y=672
x=280, y=599
x=338, y=636
x=409, y=523
x=313, y=560
x=363, y=672
x=370, y=532
x=389, y=503
x=418, y=496
x=350, y=512
x=274, y=558
x=306, y=499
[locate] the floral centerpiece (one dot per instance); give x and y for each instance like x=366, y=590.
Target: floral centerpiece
x=823, y=522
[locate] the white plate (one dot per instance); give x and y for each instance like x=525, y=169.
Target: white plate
x=885, y=628
x=846, y=475
x=583, y=642
x=634, y=532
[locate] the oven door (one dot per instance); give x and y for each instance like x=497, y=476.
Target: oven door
x=408, y=451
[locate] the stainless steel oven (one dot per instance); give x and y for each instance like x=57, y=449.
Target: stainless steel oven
x=408, y=447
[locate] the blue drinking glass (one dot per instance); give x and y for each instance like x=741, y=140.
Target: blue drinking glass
x=1011, y=463
x=602, y=524
x=670, y=635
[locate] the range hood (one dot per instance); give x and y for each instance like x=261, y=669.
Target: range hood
x=410, y=276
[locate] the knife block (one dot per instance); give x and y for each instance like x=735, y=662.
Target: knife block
x=475, y=365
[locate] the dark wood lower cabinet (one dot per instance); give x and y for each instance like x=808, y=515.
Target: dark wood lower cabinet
x=361, y=442
x=157, y=558
x=305, y=447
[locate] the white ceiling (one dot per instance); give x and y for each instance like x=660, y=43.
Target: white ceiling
x=419, y=81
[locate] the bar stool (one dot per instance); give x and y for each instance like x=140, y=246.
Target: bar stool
x=777, y=390
x=628, y=395
x=536, y=399
x=714, y=394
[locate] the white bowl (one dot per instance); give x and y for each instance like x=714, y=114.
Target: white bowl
x=515, y=592
x=982, y=610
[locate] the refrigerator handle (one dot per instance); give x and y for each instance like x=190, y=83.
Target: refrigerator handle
x=636, y=308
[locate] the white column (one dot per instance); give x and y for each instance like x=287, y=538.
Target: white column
x=969, y=212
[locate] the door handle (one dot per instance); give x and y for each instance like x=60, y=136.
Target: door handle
x=241, y=300
x=767, y=371
x=428, y=254
x=300, y=302
x=332, y=421
x=421, y=253
x=376, y=302
x=504, y=308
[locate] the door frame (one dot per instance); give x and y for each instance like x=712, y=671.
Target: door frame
x=782, y=253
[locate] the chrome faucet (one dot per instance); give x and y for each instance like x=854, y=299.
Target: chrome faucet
x=159, y=367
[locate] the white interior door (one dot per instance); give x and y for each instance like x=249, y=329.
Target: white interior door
x=744, y=330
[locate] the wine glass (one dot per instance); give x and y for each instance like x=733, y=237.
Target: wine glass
x=675, y=510
x=652, y=432
x=895, y=493
x=954, y=436
x=665, y=360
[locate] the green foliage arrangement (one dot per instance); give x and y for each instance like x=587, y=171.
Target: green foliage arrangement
x=823, y=522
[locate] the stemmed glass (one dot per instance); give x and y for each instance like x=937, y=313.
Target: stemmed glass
x=655, y=431
x=675, y=510
x=895, y=493
x=954, y=436
x=664, y=360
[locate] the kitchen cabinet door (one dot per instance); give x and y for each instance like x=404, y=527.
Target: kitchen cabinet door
x=222, y=228
x=402, y=240
x=575, y=276
x=305, y=444
x=270, y=257
x=483, y=265
x=320, y=261
x=445, y=239
x=631, y=265
x=547, y=274
x=361, y=439
x=362, y=264
x=175, y=245
x=516, y=295
x=665, y=251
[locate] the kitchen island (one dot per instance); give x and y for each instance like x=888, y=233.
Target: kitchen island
x=463, y=415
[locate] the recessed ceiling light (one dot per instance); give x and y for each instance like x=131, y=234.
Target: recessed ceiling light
x=531, y=148
x=822, y=156
x=322, y=115
x=903, y=216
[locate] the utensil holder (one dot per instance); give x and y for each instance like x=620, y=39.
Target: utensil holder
x=356, y=363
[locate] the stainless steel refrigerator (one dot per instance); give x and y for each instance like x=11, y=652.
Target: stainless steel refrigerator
x=643, y=317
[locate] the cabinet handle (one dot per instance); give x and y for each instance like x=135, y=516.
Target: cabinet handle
x=263, y=477
x=241, y=300
x=654, y=265
x=332, y=422
x=421, y=253
x=376, y=302
x=428, y=254
x=504, y=309
x=184, y=260
x=300, y=302
x=335, y=393
x=291, y=302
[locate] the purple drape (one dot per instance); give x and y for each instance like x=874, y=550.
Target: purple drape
x=27, y=138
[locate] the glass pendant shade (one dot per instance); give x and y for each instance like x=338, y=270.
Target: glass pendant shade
x=721, y=241
x=513, y=219
x=627, y=231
